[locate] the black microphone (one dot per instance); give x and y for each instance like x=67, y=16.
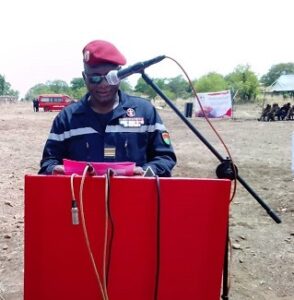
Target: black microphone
x=115, y=76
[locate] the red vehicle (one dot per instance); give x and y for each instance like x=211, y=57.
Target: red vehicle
x=54, y=102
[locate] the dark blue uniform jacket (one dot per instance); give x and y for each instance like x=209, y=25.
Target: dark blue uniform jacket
x=134, y=132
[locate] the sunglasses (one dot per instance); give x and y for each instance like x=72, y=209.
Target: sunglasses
x=95, y=79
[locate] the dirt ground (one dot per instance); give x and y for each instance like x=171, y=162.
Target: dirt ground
x=262, y=265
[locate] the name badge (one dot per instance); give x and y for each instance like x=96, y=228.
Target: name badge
x=131, y=122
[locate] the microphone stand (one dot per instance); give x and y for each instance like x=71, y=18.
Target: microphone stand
x=224, y=170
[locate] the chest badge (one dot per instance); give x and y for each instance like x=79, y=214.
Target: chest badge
x=131, y=112
x=131, y=122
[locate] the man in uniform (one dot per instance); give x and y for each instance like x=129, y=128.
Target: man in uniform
x=107, y=125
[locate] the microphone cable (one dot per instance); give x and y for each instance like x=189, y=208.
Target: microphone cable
x=212, y=127
x=102, y=286
x=75, y=221
x=106, y=265
x=108, y=247
x=234, y=169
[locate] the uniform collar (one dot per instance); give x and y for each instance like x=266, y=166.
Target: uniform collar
x=124, y=104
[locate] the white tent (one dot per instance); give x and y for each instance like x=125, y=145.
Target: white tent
x=285, y=83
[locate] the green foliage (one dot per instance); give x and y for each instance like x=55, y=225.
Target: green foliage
x=173, y=88
x=143, y=88
x=50, y=87
x=58, y=87
x=78, y=93
x=244, y=82
x=36, y=90
x=275, y=72
x=178, y=87
x=212, y=82
x=77, y=88
x=5, y=88
x=77, y=83
x=125, y=86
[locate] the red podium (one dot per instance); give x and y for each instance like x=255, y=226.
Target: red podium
x=185, y=263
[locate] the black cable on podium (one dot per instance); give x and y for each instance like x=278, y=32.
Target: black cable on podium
x=225, y=170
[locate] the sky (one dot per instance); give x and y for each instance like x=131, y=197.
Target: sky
x=43, y=40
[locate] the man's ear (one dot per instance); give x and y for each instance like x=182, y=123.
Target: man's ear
x=84, y=76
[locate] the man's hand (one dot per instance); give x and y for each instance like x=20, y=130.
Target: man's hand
x=58, y=170
x=138, y=171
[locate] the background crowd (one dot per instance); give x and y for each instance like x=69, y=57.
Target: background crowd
x=276, y=113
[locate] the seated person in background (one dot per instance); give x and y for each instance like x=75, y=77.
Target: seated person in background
x=107, y=125
x=290, y=113
x=282, y=112
x=265, y=112
x=272, y=114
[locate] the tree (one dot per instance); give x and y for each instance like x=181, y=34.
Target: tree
x=275, y=72
x=143, y=88
x=244, y=82
x=212, y=82
x=50, y=87
x=36, y=90
x=173, y=88
x=58, y=87
x=5, y=88
x=178, y=87
x=77, y=83
x=2, y=85
x=126, y=86
x=77, y=88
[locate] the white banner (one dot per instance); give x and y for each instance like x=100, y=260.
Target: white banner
x=215, y=105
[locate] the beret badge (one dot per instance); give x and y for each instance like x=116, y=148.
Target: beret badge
x=86, y=55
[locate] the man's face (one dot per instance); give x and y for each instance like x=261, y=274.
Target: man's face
x=102, y=93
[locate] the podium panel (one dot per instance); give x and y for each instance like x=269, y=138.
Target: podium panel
x=181, y=253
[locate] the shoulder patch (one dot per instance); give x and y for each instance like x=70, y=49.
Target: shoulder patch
x=166, y=137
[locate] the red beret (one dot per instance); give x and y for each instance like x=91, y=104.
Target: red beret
x=98, y=51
